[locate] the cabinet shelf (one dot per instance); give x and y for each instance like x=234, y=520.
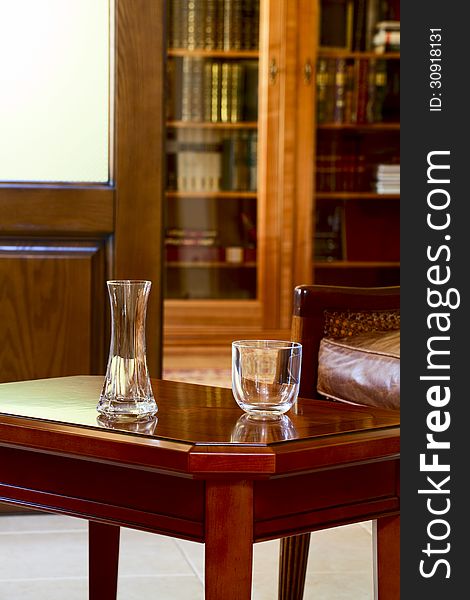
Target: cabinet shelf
x=211, y=125
x=220, y=194
x=356, y=264
x=339, y=53
x=210, y=265
x=361, y=126
x=248, y=54
x=355, y=196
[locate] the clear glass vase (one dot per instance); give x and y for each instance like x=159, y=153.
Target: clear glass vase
x=127, y=391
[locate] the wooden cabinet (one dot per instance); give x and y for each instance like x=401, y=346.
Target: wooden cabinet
x=356, y=163
x=224, y=241
x=282, y=160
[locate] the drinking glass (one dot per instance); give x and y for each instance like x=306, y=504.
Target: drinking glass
x=266, y=375
x=127, y=391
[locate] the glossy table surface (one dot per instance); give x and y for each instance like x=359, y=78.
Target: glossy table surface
x=322, y=464
x=188, y=413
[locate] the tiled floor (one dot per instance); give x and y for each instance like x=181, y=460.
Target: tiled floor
x=44, y=557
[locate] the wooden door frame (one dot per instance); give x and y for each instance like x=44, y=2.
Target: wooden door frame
x=127, y=212
x=139, y=156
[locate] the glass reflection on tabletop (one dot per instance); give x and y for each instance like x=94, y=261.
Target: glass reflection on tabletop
x=145, y=426
x=255, y=430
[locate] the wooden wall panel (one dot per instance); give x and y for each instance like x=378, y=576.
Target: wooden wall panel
x=51, y=308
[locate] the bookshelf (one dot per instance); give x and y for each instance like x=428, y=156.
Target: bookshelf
x=212, y=139
x=356, y=140
x=282, y=159
x=222, y=267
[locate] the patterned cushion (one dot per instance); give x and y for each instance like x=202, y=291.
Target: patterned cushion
x=362, y=369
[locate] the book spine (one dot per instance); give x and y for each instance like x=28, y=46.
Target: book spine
x=214, y=170
x=250, y=86
x=371, y=91
x=372, y=18
x=328, y=233
x=228, y=162
x=175, y=30
x=186, y=90
x=237, y=25
x=247, y=24
x=241, y=161
x=322, y=88
x=224, y=91
x=236, y=93
x=170, y=89
x=197, y=89
x=349, y=94
x=192, y=253
x=210, y=25
x=199, y=23
x=195, y=24
x=215, y=92
x=171, y=161
x=207, y=91
x=211, y=177
x=380, y=90
x=182, y=171
x=359, y=25
x=340, y=91
x=362, y=90
x=253, y=162
x=227, y=24
x=219, y=31
x=183, y=17
x=255, y=25
x=330, y=90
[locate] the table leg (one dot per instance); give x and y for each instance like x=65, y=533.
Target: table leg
x=229, y=540
x=103, y=559
x=386, y=538
x=293, y=558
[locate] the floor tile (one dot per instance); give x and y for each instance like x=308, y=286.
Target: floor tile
x=347, y=548
x=367, y=525
x=166, y=588
x=194, y=554
x=40, y=522
x=265, y=570
x=147, y=554
x=55, y=589
x=152, y=566
x=338, y=586
x=31, y=556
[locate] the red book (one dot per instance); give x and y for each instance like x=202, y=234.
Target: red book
x=362, y=91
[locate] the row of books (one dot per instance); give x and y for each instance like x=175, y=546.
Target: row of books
x=203, y=245
x=205, y=160
x=328, y=241
x=387, y=37
x=349, y=166
x=357, y=91
x=208, y=90
x=213, y=24
x=387, y=179
x=351, y=173
x=198, y=253
x=355, y=24
x=342, y=173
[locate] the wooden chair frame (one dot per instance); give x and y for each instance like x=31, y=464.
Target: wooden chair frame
x=311, y=303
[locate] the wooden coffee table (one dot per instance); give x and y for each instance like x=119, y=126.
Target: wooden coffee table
x=201, y=472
